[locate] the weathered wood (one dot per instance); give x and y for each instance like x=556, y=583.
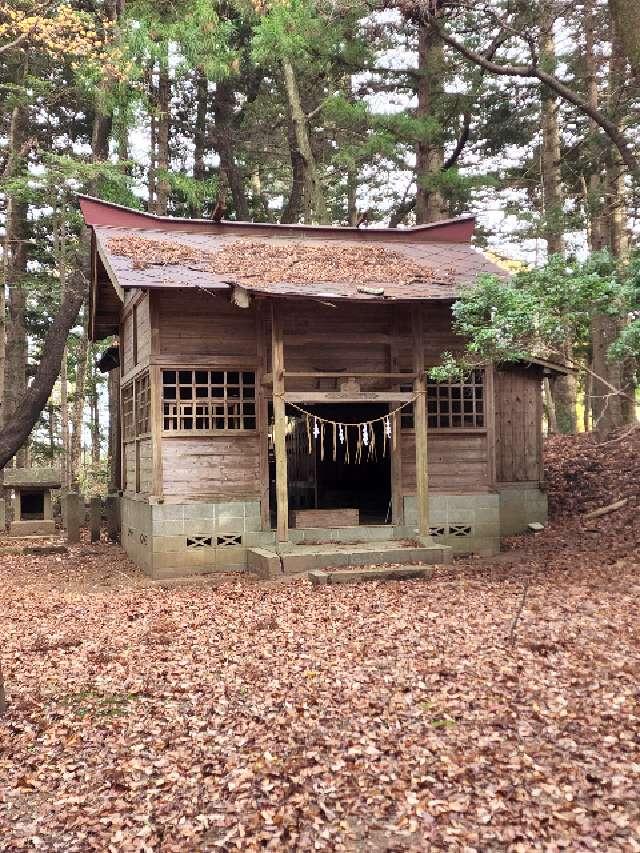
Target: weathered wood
x=397, y=498
x=95, y=518
x=605, y=510
x=420, y=421
x=262, y=415
x=326, y=518
x=279, y=429
x=490, y=420
x=157, y=476
x=347, y=397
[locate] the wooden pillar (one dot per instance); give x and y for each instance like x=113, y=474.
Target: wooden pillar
x=279, y=429
x=419, y=388
x=397, y=498
x=113, y=518
x=95, y=518
x=155, y=402
x=262, y=414
x=490, y=420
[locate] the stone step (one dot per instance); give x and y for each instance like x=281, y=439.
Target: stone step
x=362, y=533
x=399, y=573
x=297, y=559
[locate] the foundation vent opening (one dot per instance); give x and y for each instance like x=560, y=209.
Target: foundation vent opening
x=199, y=542
x=460, y=530
x=225, y=541
x=437, y=531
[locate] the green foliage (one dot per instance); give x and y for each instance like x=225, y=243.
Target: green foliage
x=539, y=310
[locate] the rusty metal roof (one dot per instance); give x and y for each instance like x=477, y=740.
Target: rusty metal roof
x=448, y=267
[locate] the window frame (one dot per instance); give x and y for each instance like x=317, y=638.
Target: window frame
x=224, y=400
x=433, y=386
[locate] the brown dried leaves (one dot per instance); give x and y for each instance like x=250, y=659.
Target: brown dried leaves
x=272, y=262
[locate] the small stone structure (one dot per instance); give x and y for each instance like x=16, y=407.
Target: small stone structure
x=32, y=505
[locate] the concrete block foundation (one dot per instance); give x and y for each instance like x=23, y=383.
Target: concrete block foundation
x=172, y=540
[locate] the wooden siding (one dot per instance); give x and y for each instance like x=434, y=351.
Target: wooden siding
x=458, y=462
x=518, y=426
x=211, y=466
x=138, y=313
x=202, y=329
x=145, y=472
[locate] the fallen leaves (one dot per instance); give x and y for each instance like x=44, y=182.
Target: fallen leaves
x=380, y=716
x=281, y=261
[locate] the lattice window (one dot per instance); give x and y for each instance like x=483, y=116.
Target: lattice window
x=459, y=404
x=128, y=425
x=208, y=400
x=142, y=404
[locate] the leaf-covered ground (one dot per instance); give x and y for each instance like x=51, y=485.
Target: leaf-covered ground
x=394, y=716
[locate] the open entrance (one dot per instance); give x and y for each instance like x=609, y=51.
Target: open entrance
x=31, y=505
x=341, y=478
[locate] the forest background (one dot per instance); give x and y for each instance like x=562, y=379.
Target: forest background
x=355, y=112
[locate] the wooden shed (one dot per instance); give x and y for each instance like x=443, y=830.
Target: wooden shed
x=274, y=393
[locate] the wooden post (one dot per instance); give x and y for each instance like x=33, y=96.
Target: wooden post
x=262, y=415
x=490, y=420
x=72, y=516
x=279, y=429
x=155, y=389
x=397, y=498
x=95, y=518
x=419, y=387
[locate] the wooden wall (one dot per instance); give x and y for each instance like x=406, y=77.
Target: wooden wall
x=196, y=328
x=136, y=327
x=518, y=426
x=224, y=467
x=458, y=462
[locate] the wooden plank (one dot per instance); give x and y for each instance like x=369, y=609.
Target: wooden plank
x=262, y=415
x=157, y=479
x=420, y=420
x=490, y=419
x=326, y=518
x=397, y=499
x=347, y=397
x=279, y=431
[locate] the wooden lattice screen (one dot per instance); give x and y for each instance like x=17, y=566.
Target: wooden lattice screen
x=208, y=400
x=458, y=404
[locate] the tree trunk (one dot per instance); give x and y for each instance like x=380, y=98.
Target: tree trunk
x=164, y=123
x=608, y=410
x=14, y=434
x=64, y=420
x=77, y=418
x=430, y=205
x=624, y=14
x=95, y=420
x=3, y=695
x=315, y=206
x=224, y=102
x=113, y=388
x=550, y=406
x=564, y=388
x=200, y=138
x=52, y=432
x=293, y=208
x=14, y=355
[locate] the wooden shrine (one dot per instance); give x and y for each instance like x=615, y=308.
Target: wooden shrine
x=269, y=369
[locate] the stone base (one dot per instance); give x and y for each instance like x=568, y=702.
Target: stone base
x=521, y=504
x=466, y=523
x=32, y=528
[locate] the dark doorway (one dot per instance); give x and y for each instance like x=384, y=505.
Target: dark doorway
x=31, y=505
x=352, y=480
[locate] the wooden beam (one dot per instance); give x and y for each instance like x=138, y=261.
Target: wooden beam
x=262, y=414
x=279, y=429
x=419, y=387
x=347, y=396
x=155, y=391
x=397, y=497
x=490, y=420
